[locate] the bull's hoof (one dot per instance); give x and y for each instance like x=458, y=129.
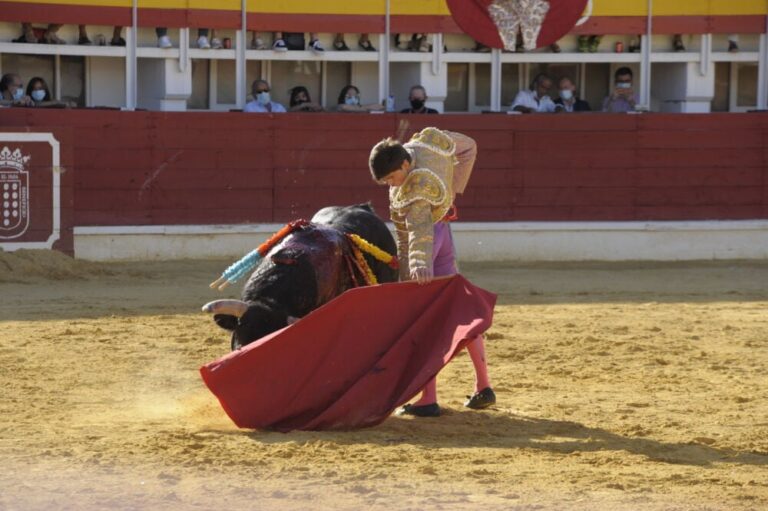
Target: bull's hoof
x=432, y=410
x=481, y=399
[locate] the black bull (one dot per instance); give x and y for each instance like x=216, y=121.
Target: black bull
x=305, y=270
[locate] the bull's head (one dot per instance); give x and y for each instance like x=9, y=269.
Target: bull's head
x=248, y=322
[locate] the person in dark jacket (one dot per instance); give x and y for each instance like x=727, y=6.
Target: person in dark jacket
x=568, y=101
x=418, y=98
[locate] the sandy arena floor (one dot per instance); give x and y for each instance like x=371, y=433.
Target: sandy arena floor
x=620, y=387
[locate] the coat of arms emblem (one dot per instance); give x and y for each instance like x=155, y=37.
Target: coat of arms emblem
x=14, y=194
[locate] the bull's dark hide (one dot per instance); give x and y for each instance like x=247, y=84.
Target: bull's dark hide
x=307, y=269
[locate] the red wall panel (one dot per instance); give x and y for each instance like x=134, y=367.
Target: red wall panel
x=211, y=168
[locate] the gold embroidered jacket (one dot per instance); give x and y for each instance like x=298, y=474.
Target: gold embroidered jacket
x=441, y=163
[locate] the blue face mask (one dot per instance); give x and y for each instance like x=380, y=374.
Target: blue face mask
x=18, y=94
x=38, y=95
x=354, y=100
x=263, y=98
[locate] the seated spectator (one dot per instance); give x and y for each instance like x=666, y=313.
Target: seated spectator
x=349, y=101
x=48, y=37
x=622, y=99
x=733, y=43
x=418, y=42
x=364, y=42
x=535, y=99
x=262, y=103
x=285, y=41
x=38, y=90
x=677, y=43
x=418, y=99
x=568, y=101
x=302, y=102
x=12, y=91
x=163, y=41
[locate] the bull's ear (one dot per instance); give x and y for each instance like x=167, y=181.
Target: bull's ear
x=226, y=321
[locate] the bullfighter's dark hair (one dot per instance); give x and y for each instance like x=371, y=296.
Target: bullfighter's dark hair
x=386, y=157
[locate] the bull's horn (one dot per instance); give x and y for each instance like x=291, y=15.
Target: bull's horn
x=230, y=307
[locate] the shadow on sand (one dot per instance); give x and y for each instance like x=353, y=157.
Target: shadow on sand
x=494, y=430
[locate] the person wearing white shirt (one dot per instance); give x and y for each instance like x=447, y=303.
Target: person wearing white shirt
x=262, y=103
x=536, y=99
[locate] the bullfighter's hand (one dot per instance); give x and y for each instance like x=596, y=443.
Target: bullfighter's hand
x=422, y=275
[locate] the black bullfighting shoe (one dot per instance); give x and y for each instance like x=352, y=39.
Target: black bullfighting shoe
x=432, y=410
x=481, y=399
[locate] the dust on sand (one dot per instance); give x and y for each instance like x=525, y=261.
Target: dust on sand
x=620, y=387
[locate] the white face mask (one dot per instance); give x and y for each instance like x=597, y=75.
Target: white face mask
x=38, y=95
x=263, y=98
x=566, y=94
x=354, y=100
x=18, y=94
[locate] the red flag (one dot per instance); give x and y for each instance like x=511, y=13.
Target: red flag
x=351, y=362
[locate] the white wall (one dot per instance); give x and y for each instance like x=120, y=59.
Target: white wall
x=163, y=85
x=365, y=76
x=507, y=241
x=106, y=81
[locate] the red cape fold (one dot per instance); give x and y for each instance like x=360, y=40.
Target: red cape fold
x=350, y=363
x=473, y=18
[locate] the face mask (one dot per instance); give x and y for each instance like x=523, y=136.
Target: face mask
x=566, y=94
x=18, y=94
x=624, y=85
x=38, y=95
x=354, y=100
x=263, y=98
x=417, y=104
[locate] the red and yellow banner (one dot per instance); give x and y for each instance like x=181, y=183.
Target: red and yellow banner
x=606, y=16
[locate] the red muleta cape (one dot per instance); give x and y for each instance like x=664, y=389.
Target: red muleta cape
x=351, y=362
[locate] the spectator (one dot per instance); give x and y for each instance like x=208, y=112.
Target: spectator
x=117, y=38
x=568, y=101
x=418, y=42
x=364, y=42
x=262, y=103
x=285, y=41
x=163, y=41
x=12, y=91
x=418, y=98
x=622, y=99
x=349, y=101
x=677, y=43
x=38, y=90
x=48, y=37
x=733, y=43
x=535, y=99
x=301, y=101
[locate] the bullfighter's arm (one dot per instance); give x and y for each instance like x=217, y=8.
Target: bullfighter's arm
x=418, y=240
x=466, y=152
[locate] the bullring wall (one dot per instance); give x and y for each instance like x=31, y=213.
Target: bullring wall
x=149, y=168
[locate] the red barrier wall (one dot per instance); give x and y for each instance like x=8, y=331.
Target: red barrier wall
x=137, y=168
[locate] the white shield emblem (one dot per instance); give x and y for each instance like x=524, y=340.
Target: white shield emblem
x=14, y=194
